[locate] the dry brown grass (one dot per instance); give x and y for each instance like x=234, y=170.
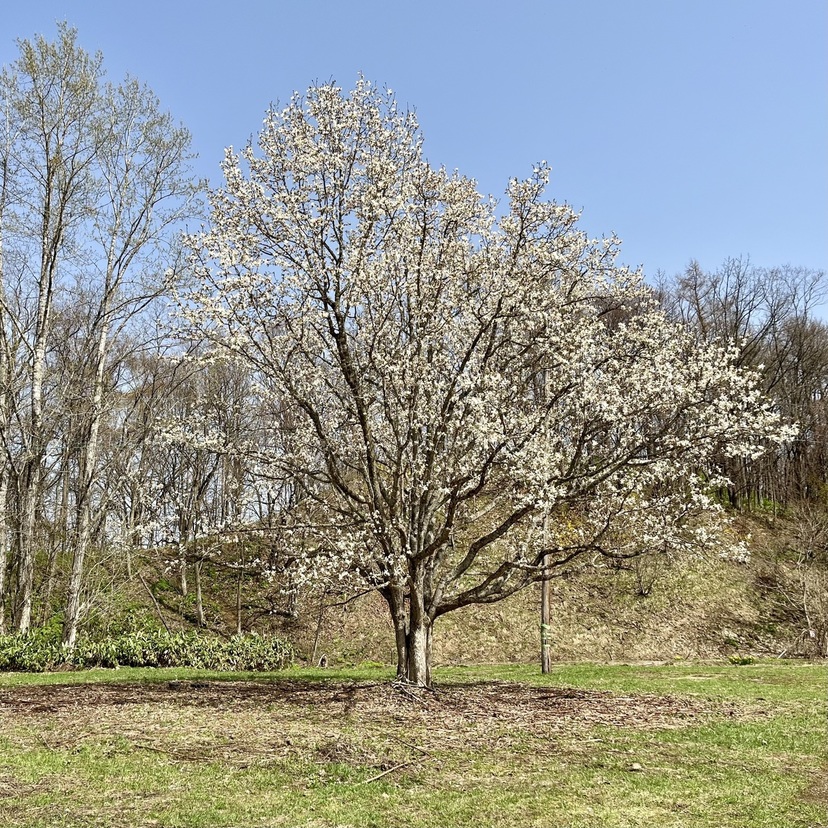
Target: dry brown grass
x=354, y=722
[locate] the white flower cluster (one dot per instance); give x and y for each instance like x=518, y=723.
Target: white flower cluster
x=453, y=377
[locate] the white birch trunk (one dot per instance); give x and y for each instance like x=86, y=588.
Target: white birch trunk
x=33, y=470
x=89, y=469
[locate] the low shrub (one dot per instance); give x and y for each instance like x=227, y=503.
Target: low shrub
x=41, y=650
x=737, y=659
x=36, y=652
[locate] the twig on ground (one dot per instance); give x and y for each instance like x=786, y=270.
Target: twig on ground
x=390, y=770
x=414, y=747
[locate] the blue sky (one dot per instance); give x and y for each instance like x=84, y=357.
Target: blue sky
x=691, y=128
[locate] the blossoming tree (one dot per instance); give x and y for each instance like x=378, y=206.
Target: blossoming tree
x=470, y=394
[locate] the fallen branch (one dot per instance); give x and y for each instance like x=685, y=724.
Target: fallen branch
x=390, y=770
x=414, y=747
x=154, y=601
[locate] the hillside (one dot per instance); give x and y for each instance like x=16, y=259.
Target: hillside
x=701, y=608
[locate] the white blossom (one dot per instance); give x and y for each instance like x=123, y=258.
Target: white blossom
x=472, y=389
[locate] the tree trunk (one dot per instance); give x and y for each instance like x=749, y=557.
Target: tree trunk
x=73, y=603
x=412, y=631
x=418, y=668
x=26, y=548
x=36, y=439
x=239, y=627
x=5, y=360
x=401, y=644
x=394, y=595
x=185, y=532
x=88, y=471
x=133, y=534
x=4, y=549
x=418, y=640
x=155, y=603
x=82, y=542
x=58, y=543
x=5, y=391
x=199, y=604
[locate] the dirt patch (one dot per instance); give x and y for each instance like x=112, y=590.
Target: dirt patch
x=494, y=702
x=326, y=725
x=817, y=790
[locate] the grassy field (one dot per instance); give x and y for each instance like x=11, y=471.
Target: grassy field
x=690, y=746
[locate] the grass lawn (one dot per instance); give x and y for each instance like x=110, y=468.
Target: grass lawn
x=588, y=746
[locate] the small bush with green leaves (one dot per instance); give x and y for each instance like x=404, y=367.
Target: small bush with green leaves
x=41, y=650
x=737, y=659
x=34, y=653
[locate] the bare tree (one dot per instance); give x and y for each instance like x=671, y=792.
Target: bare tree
x=147, y=193
x=95, y=184
x=49, y=96
x=770, y=315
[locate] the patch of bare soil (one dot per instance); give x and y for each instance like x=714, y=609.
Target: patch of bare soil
x=379, y=725
x=501, y=702
x=817, y=790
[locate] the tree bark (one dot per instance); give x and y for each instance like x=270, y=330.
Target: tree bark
x=412, y=629
x=239, y=627
x=25, y=547
x=418, y=640
x=4, y=537
x=199, y=604
x=394, y=595
x=418, y=668
x=87, y=478
x=5, y=379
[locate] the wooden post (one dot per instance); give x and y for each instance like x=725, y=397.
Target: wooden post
x=239, y=628
x=546, y=621
x=318, y=627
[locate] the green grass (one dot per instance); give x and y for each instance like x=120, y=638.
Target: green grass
x=588, y=746
x=771, y=680
x=125, y=675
